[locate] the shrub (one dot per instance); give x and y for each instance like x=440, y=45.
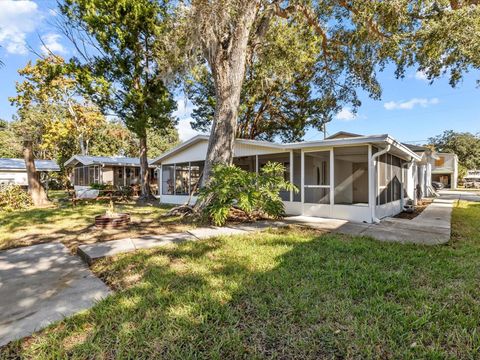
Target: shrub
x=231, y=186
x=14, y=197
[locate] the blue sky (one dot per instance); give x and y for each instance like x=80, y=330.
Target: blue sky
x=410, y=109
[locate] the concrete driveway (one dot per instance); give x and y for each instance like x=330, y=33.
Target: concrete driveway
x=467, y=195
x=41, y=284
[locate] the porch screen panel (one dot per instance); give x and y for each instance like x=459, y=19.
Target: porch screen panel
x=182, y=179
x=196, y=171
x=282, y=158
x=168, y=180
x=297, y=175
x=351, y=175
x=396, y=179
x=383, y=179
x=91, y=174
x=317, y=177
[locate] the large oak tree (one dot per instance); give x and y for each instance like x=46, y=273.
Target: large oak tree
x=358, y=37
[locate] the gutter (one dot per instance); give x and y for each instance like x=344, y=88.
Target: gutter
x=373, y=160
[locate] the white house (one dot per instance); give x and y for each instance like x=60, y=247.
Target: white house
x=13, y=171
x=445, y=169
x=346, y=176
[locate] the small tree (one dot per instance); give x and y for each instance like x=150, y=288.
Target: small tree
x=119, y=69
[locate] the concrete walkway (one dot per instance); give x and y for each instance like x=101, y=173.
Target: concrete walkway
x=41, y=284
x=92, y=252
x=431, y=227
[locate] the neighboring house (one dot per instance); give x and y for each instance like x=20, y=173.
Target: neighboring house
x=13, y=171
x=423, y=169
x=445, y=169
x=108, y=170
x=346, y=176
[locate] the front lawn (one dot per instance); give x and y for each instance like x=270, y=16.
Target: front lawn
x=283, y=294
x=75, y=225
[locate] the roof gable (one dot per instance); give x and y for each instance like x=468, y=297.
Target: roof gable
x=342, y=135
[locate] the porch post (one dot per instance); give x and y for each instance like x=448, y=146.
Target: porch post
x=124, y=176
x=291, y=173
x=332, y=178
x=371, y=181
x=256, y=164
x=302, y=176
x=175, y=179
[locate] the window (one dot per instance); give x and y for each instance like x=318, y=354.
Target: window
x=317, y=177
x=440, y=162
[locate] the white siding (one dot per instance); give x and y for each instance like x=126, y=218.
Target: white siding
x=14, y=177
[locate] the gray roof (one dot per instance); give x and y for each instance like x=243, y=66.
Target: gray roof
x=103, y=160
x=19, y=164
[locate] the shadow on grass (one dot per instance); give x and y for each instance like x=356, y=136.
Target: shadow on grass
x=284, y=294
x=74, y=225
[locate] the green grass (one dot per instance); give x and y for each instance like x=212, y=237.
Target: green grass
x=75, y=225
x=283, y=294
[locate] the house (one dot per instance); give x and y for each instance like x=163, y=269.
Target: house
x=445, y=170
x=423, y=169
x=108, y=170
x=346, y=176
x=13, y=171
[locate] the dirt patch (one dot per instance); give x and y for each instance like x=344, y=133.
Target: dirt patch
x=421, y=205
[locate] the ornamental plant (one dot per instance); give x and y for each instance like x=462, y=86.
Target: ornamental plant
x=230, y=186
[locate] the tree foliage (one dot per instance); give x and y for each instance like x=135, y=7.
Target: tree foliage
x=464, y=144
x=121, y=73
x=10, y=147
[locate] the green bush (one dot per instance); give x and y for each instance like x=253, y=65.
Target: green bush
x=231, y=186
x=14, y=197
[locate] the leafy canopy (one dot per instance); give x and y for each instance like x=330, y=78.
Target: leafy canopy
x=118, y=69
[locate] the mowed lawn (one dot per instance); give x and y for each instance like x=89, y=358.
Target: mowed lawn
x=290, y=294
x=74, y=226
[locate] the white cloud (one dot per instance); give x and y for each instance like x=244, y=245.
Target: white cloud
x=17, y=19
x=183, y=112
x=346, y=115
x=52, y=43
x=410, y=104
x=421, y=75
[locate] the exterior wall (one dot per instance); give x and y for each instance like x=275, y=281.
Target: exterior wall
x=198, y=152
x=177, y=199
x=14, y=177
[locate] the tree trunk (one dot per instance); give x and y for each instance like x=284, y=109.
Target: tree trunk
x=146, y=194
x=228, y=63
x=35, y=188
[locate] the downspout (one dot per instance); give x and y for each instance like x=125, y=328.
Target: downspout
x=374, y=159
